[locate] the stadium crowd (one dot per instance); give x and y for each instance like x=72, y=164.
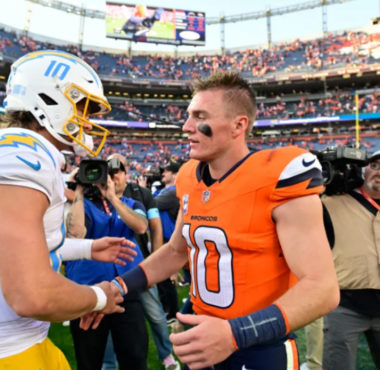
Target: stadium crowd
x=337, y=103
x=342, y=50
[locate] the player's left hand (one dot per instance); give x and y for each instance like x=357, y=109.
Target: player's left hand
x=207, y=343
x=113, y=249
x=176, y=278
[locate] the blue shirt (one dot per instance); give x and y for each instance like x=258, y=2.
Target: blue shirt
x=168, y=205
x=100, y=224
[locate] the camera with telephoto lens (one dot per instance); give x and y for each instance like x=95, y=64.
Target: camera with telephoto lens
x=92, y=172
x=341, y=168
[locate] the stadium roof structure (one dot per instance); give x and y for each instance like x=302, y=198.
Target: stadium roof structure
x=71, y=8
x=223, y=19
x=93, y=13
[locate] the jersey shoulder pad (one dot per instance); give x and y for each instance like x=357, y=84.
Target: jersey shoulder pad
x=297, y=173
x=25, y=160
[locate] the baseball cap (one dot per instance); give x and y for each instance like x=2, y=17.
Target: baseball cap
x=115, y=165
x=172, y=167
x=372, y=157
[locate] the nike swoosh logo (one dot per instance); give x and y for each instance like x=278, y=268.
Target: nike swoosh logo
x=36, y=166
x=89, y=81
x=308, y=163
x=244, y=368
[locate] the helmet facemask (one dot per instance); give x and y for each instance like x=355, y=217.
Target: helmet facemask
x=77, y=126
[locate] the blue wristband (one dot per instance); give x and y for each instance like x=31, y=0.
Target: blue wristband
x=119, y=286
x=135, y=279
x=262, y=327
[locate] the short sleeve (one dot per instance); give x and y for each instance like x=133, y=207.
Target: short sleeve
x=137, y=207
x=28, y=167
x=149, y=201
x=299, y=175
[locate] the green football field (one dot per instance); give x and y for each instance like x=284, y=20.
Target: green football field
x=163, y=30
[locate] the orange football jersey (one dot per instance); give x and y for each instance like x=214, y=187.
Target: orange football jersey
x=235, y=257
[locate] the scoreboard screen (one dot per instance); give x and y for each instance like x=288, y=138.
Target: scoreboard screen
x=143, y=23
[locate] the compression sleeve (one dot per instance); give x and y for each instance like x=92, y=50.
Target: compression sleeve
x=134, y=279
x=262, y=327
x=76, y=249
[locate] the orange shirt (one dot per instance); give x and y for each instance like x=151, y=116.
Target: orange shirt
x=235, y=257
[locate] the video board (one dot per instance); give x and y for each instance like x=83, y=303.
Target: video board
x=143, y=23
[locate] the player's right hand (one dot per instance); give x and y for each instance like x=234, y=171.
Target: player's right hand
x=91, y=320
x=114, y=298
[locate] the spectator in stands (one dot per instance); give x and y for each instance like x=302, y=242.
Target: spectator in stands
x=247, y=223
x=109, y=213
x=354, y=233
x=149, y=243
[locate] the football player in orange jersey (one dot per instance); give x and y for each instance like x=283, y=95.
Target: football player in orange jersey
x=250, y=225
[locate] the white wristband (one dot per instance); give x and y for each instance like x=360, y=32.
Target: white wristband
x=101, y=298
x=76, y=249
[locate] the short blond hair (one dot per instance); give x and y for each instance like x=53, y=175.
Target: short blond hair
x=238, y=95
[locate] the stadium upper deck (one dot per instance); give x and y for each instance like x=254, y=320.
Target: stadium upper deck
x=349, y=50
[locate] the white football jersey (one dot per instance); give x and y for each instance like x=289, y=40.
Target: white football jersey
x=27, y=159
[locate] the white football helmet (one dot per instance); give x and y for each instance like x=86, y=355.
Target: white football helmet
x=61, y=91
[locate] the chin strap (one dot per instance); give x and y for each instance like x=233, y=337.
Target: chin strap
x=81, y=150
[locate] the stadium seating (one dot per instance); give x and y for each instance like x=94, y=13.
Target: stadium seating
x=334, y=51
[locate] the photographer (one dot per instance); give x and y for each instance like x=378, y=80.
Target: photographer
x=353, y=227
x=108, y=213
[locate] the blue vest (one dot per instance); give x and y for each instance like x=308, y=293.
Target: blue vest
x=100, y=224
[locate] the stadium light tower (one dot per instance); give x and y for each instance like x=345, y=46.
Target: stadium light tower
x=222, y=33
x=269, y=28
x=82, y=20
x=324, y=20
x=28, y=16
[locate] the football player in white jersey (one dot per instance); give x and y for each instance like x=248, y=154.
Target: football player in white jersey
x=50, y=97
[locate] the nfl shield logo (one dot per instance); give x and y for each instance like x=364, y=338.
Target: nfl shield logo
x=185, y=201
x=206, y=196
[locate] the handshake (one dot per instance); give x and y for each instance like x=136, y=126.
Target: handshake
x=109, y=298
x=110, y=294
